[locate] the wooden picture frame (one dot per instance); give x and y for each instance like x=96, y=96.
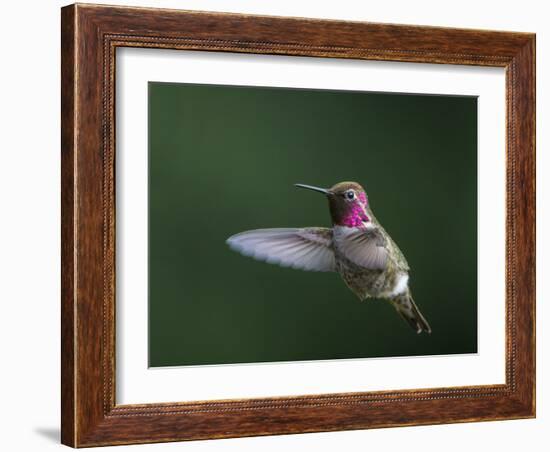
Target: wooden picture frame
x=90, y=36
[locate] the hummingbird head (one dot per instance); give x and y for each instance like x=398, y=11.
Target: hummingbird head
x=348, y=203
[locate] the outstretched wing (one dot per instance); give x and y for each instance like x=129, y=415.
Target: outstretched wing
x=301, y=248
x=366, y=248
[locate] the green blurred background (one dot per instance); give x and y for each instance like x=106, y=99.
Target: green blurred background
x=224, y=159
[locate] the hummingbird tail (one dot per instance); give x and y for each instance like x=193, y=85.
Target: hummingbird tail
x=406, y=307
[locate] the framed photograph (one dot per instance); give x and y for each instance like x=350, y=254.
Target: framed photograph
x=280, y=225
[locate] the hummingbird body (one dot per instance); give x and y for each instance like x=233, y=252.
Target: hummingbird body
x=357, y=247
x=368, y=282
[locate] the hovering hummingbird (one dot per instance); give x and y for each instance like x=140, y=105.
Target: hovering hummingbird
x=357, y=247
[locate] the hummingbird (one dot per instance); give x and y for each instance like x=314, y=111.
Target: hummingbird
x=357, y=247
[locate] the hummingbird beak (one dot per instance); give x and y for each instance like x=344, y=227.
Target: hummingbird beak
x=311, y=187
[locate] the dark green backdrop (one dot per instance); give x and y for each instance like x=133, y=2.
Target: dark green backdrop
x=223, y=160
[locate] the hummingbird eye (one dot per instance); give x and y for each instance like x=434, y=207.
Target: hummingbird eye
x=350, y=194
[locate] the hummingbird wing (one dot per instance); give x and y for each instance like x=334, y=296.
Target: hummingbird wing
x=301, y=248
x=366, y=248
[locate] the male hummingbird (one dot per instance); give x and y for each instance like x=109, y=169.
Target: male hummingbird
x=357, y=247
